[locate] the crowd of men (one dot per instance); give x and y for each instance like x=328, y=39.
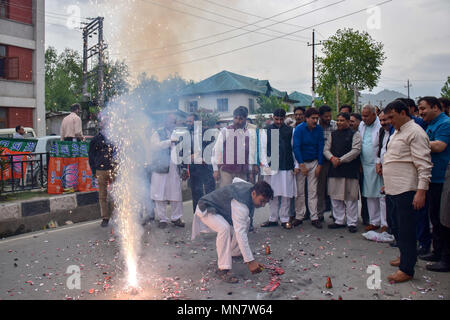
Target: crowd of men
x=395, y=160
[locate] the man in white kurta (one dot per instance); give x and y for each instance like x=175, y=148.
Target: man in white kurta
x=281, y=174
x=369, y=129
x=227, y=211
x=342, y=149
x=166, y=184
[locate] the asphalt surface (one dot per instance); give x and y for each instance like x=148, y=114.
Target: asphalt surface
x=38, y=266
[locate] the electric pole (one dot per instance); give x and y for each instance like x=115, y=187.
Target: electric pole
x=313, y=45
x=95, y=27
x=408, y=85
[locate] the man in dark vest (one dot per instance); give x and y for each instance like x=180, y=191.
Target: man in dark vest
x=227, y=211
x=201, y=180
x=281, y=176
x=343, y=149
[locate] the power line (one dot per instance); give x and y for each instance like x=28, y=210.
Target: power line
x=266, y=41
x=221, y=33
x=234, y=19
x=239, y=35
x=253, y=15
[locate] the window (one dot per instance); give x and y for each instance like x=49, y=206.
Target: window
x=251, y=106
x=3, y=8
x=222, y=105
x=3, y=118
x=2, y=61
x=192, y=106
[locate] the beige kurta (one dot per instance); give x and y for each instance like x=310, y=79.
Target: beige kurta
x=343, y=188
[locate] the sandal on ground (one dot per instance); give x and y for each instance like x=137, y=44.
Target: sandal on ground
x=227, y=276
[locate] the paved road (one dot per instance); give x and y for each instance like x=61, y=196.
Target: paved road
x=35, y=266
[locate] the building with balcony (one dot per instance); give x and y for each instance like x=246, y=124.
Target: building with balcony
x=22, y=64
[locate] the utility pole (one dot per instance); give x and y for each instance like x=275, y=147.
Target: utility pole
x=313, y=45
x=95, y=27
x=408, y=85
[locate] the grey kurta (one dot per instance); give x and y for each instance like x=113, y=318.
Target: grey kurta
x=343, y=188
x=445, y=200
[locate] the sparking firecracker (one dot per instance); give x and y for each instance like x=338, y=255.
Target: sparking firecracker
x=267, y=250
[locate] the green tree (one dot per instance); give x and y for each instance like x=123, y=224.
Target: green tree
x=270, y=104
x=351, y=58
x=64, y=79
x=445, y=91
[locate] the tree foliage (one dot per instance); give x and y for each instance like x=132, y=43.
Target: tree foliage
x=64, y=79
x=445, y=91
x=270, y=104
x=351, y=58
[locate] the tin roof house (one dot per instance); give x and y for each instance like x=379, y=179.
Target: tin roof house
x=226, y=91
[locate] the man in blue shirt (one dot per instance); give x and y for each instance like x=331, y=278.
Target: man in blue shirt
x=308, y=150
x=439, y=133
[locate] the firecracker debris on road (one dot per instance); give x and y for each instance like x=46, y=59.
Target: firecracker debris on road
x=303, y=263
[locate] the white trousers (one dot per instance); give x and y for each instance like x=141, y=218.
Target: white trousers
x=377, y=211
x=300, y=205
x=161, y=208
x=226, y=243
x=341, y=208
x=283, y=208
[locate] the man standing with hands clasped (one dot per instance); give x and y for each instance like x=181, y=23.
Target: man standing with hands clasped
x=308, y=150
x=407, y=171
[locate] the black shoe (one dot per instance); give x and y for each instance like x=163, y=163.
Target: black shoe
x=178, y=223
x=432, y=257
x=321, y=218
x=269, y=224
x=352, y=229
x=440, y=266
x=421, y=251
x=336, y=226
x=104, y=223
x=296, y=222
x=251, y=229
x=317, y=224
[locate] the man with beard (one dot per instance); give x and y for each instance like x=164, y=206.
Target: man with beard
x=228, y=211
x=439, y=133
x=281, y=178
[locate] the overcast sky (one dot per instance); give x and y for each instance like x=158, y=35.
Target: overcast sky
x=192, y=37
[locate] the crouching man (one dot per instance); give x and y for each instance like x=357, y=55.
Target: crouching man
x=227, y=211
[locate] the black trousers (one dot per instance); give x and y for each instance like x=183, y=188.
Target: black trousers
x=434, y=194
x=364, y=209
x=391, y=221
x=201, y=183
x=405, y=218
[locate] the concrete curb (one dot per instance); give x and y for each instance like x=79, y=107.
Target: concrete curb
x=27, y=216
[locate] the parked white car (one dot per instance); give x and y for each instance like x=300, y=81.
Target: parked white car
x=9, y=133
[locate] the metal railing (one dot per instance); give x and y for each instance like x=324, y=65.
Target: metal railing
x=27, y=171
